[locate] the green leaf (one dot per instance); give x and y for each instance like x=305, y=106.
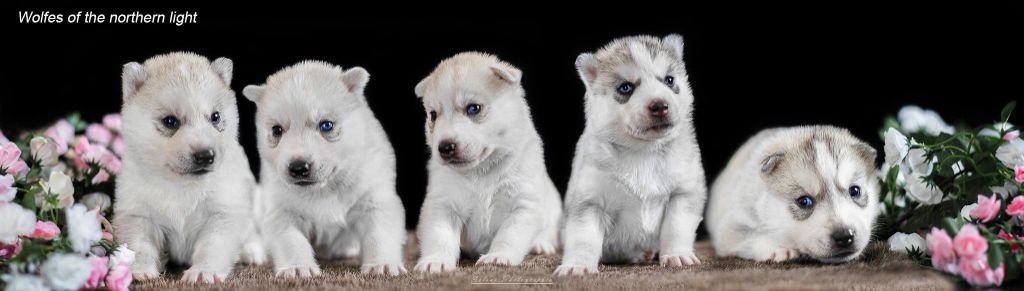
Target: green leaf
x=995, y=256
x=29, y=201
x=952, y=226
x=1005, y=115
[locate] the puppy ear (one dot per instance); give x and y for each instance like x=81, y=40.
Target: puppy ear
x=355, y=79
x=507, y=74
x=253, y=92
x=224, y=67
x=421, y=87
x=675, y=42
x=586, y=66
x=867, y=153
x=769, y=164
x=133, y=75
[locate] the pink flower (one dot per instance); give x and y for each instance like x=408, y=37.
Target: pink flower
x=18, y=169
x=62, y=144
x=1013, y=246
x=941, y=247
x=977, y=272
x=988, y=208
x=1016, y=206
x=108, y=236
x=45, y=230
x=1011, y=135
x=99, y=134
x=9, y=155
x=112, y=121
x=118, y=146
x=110, y=162
x=3, y=139
x=969, y=244
x=7, y=190
x=8, y=251
x=1018, y=172
x=99, y=271
x=101, y=177
x=119, y=277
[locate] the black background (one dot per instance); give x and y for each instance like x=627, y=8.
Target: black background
x=751, y=67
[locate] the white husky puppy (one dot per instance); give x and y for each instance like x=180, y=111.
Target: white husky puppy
x=327, y=172
x=800, y=191
x=184, y=192
x=637, y=186
x=488, y=185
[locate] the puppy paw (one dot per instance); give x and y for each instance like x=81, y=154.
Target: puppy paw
x=782, y=255
x=298, y=272
x=193, y=275
x=543, y=248
x=679, y=260
x=144, y=273
x=434, y=267
x=573, y=269
x=498, y=260
x=253, y=254
x=383, y=269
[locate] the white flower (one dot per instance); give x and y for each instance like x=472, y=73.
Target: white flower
x=921, y=191
x=83, y=228
x=913, y=119
x=24, y=282
x=996, y=129
x=902, y=242
x=59, y=184
x=7, y=189
x=965, y=212
x=64, y=271
x=97, y=200
x=919, y=162
x=44, y=150
x=1008, y=189
x=1011, y=153
x=15, y=221
x=896, y=146
x=122, y=255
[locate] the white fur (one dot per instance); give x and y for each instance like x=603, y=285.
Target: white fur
x=500, y=202
x=352, y=207
x=633, y=193
x=195, y=219
x=750, y=218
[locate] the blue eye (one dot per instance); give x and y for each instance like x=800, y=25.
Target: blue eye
x=171, y=122
x=855, y=191
x=625, y=88
x=472, y=109
x=326, y=125
x=805, y=201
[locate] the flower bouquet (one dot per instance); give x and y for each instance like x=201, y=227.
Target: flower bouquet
x=960, y=187
x=54, y=186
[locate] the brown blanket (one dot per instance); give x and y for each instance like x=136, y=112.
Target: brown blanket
x=878, y=269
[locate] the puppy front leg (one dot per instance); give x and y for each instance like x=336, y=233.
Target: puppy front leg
x=514, y=238
x=438, y=235
x=584, y=240
x=381, y=230
x=290, y=250
x=679, y=229
x=141, y=236
x=217, y=248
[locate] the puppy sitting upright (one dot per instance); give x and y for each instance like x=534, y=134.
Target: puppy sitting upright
x=185, y=189
x=800, y=191
x=327, y=172
x=488, y=183
x=637, y=188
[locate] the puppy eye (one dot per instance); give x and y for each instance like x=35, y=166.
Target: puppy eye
x=277, y=130
x=805, y=201
x=171, y=122
x=670, y=81
x=215, y=117
x=625, y=88
x=472, y=109
x=326, y=126
x=433, y=116
x=855, y=191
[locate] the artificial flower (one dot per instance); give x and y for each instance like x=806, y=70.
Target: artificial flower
x=1013, y=246
x=896, y=146
x=1016, y=207
x=83, y=227
x=64, y=271
x=941, y=247
x=119, y=277
x=59, y=184
x=44, y=151
x=922, y=191
x=10, y=250
x=977, y=272
x=112, y=121
x=913, y=118
x=988, y=208
x=25, y=282
x=99, y=271
x=7, y=189
x=15, y=221
x=1011, y=154
x=46, y=230
x=969, y=244
x=902, y=242
x=99, y=134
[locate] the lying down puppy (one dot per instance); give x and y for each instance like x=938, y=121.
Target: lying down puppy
x=804, y=191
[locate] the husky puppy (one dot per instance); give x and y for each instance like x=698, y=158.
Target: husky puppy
x=637, y=188
x=184, y=193
x=799, y=191
x=488, y=185
x=327, y=172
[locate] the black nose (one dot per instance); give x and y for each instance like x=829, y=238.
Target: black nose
x=299, y=169
x=658, y=108
x=447, y=149
x=843, y=238
x=203, y=158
